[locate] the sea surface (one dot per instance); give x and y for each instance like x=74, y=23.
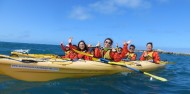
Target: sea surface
x=178, y=75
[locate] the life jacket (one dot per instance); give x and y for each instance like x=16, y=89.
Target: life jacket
x=67, y=52
x=81, y=56
x=130, y=55
x=150, y=55
x=106, y=55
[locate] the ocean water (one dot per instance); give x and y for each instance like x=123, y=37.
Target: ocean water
x=122, y=83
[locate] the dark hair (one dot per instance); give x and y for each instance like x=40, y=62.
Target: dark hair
x=91, y=49
x=85, y=46
x=132, y=45
x=150, y=44
x=109, y=39
x=120, y=48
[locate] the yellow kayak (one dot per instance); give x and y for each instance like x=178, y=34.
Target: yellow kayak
x=28, y=69
x=19, y=54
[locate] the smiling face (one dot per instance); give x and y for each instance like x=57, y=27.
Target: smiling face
x=67, y=48
x=131, y=49
x=81, y=45
x=149, y=47
x=107, y=43
x=119, y=50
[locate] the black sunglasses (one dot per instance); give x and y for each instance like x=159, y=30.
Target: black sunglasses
x=108, y=42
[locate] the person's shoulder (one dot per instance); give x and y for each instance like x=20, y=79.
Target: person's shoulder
x=155, y=52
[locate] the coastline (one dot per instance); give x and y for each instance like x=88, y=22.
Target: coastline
x=167, y=52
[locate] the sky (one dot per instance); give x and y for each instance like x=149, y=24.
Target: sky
x=166, y=23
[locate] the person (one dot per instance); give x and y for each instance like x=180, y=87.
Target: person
x=91, y=51
x=117, y=47
x=71, y=54
x=81, y=47
x=131, y=55
x=109, y=53
x=65, y=48
x=150, y=55
x=119, y=50
x=119, y=54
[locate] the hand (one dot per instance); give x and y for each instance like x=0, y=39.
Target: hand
x=126, y=54
x=116, y=44
x=113, y=49
x=124, y=42
x=89, y=45
x=146, y=54
x=62, y=43
x=70, y=40
x=129, y=42
x=98, y=44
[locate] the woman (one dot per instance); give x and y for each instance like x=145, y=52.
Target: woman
x=81, y=47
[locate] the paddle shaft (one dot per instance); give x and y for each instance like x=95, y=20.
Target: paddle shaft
x=139, y=71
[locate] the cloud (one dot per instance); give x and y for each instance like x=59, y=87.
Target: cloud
x=80, y=13
x=107, y=7
x=110, y=6
x=104, y=6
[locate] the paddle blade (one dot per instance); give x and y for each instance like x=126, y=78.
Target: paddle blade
x=162, y=62
x=156, y=77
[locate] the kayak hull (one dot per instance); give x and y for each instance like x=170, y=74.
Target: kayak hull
x=45, y=71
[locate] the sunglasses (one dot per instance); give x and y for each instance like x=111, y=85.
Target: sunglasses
x=131, y=48
x=108, y=42
x=119, y=50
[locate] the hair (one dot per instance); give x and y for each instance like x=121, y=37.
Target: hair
x=109, y=39
x=120, y=48
x=150, y=44
x=91, y=49
x=132, y=45
x=85, y=46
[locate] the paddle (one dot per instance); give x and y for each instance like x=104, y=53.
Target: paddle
x=136, y=70
x=22, y=60
x=31, y=60
x=86, y=54
x=166, y=62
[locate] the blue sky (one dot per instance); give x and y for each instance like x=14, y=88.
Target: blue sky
x=166, y=23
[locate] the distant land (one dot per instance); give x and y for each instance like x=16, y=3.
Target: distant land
x=167, y=52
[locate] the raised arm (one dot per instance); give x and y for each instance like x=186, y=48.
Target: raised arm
x=62, y=47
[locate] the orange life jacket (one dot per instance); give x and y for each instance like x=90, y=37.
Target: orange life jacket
x=130, y=55
x=150, y=55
